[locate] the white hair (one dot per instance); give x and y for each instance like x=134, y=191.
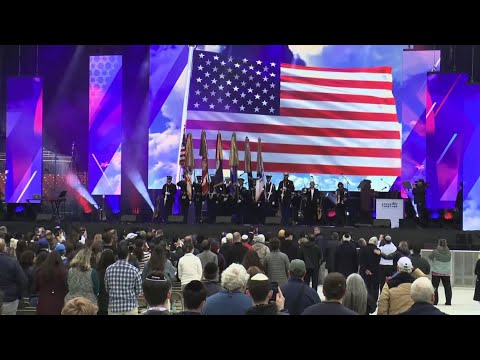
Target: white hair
x=234, y=277
x=373, y=240
x=422, y=290
x=356, y=295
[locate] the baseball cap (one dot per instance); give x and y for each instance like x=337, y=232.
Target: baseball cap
x=297, y=267
x=405, y=264
x=60, y=248
x=43, y=243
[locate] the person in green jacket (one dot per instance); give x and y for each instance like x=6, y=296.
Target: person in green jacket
x=441, y=259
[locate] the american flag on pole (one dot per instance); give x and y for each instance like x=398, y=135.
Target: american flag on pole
x=181, y=160
x=311, y=120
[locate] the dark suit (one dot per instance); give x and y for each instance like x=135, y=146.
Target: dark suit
x=170, y=199
x=311, y=206
x=286, y=200
x=198, y=199
x=184, y=200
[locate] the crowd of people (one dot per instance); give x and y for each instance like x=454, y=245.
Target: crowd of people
x=234, y=274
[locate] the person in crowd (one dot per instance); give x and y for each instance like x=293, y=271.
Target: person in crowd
x=82, y=280
x=476, y=295
x=13, y=282
x=157, y=291
x=237, y=251
x=329, y=256
x=97, y=248
x=441, y=269
x=207, y=255
x=189, y=266
x=276, y=264
x=334, y=289
x=141, y=252
x=357, y=298
x=260, y=290
x=194, y=298
x=395, y=296
x=311, y=254
x=386, y=266
x=227, y=246
x=210, y=276
x=423, y=296
x=110, y=241
x=79, y=306
x=12, y=249
x=251, y=259
x=298, y=295
x=159, y=262
x=346, y=257
x=231, y=300
x=123, y=283
x=50, y=283
x=60, y=248
x=369, y=269
x=26, y=262
x=245, y=243
x=289, y=246
x=402, y=250
x=43, y=245
x=22, y=246
x=260, y=247
x=222, y=263
x=418, y=261
x=106, y=259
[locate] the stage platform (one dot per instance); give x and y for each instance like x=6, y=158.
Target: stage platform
x=428, y=237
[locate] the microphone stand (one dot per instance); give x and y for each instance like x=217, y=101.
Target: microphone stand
x=346, y=181
x=388, y=185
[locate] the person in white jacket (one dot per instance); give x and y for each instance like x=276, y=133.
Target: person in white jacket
x=189, y=266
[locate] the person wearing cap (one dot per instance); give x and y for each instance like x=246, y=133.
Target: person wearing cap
x=261, y=292
x=198, y=199
x=43, y=245
x=386, y=265
x=157, y=291
x=243, y=201
x=60, y=248
x=298, y=295
x=212, y=199
x=284, y=194
x=423, y=296
x=346, y=257
x=184, y=199
x=260, y=247
x=245, y=243
x=168, y=190
x=395, y=296
x=334, y=290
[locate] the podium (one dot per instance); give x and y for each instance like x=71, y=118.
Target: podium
x=391, y=209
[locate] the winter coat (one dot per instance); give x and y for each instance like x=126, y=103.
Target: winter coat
x=311, y=254
x=441, y=261
x=421, y=263
x=395, y=296
x=262, y=251
x=476, y=296
x=346, y=259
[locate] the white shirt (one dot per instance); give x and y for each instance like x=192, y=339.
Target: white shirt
x=311, y=193
x=387, y=249
x=189, y=268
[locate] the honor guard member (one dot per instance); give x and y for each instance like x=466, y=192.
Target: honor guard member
x=270, y=196
x=227, y=202
x=198, y=199
x=168, y=190
x=284, y=193
x=212, y=201
x=243, y=196
x=341, y=210
x=184, y=200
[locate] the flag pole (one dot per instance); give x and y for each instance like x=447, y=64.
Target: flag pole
x=185, y=106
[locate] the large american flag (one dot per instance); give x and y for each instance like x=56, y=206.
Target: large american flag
x=310, y=120
x=181, y=158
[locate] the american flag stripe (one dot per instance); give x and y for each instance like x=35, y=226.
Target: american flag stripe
x=343, y=142
x=293, y=130
x=267, y=120
x=308, y=149
x=311, y=120
x=303, y=168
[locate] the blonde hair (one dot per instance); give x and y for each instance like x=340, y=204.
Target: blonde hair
x=2, y=244
x=79, y=306
x=97, y=239
x=82, y=260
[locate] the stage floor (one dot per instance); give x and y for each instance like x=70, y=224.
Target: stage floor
x=428, y=237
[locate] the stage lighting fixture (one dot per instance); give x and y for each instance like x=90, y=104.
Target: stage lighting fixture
x=448, y=215
x=331, y=213
x=434, y=215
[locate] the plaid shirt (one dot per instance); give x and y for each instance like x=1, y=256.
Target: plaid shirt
x=123, y=283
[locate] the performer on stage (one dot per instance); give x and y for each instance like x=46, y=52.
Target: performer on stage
x=184, y=200
x=341, y=195
x=312, y=202
x=212, y=201
x=266, y=205
x=198, y=199
x=366, y=196
x=285, y=190
x=419, y=192
x=243, y=200
x=168, y=190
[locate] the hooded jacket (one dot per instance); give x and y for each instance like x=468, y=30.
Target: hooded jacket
x=262, y=250
x=441, y=261
x=395, y=297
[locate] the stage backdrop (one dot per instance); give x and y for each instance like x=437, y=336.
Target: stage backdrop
x=24, y=139
x=105, y=125
x=171, y=69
